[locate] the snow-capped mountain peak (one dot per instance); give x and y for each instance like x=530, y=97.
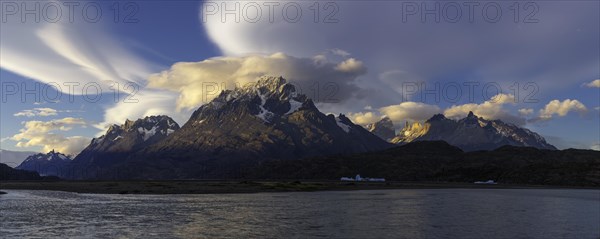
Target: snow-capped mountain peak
x=471, y=133
x=263, y=120
x=145, y=129
x=268, y=99
x=120, y=140
x=50, y=163
x=50, y=156
x=344, y=123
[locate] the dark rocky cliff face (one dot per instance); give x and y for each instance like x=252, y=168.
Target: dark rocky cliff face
x=383, y=128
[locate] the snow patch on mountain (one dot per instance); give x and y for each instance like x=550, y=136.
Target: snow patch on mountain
x=341, y=124
x=147, y=133
x=294, y=106
x=50, y=163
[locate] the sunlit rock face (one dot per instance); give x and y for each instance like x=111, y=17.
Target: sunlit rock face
x=470, y=133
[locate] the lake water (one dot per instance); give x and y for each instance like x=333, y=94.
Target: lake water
x=420, y=213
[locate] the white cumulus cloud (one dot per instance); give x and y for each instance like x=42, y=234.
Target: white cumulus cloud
x=37, y=112
x=351, y=66
x=491, y=109
x=525, y=111
x=412, y=111
x=363, y=118
x=44, y=134
x=594, y=84
x=561, y=108
x=405, y=111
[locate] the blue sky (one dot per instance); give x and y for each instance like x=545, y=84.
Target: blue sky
x=371, y=52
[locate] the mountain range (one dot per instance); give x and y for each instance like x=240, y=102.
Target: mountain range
x=242, y=127
x=470, y=133
x=240, y=131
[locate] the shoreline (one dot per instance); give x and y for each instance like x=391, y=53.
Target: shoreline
x=259, y=186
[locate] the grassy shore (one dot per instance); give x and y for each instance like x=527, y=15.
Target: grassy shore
x=206, y=186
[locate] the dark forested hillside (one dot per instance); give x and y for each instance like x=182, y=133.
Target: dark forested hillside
x=439, y=161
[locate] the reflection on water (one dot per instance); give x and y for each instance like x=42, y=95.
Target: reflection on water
x=423, y=213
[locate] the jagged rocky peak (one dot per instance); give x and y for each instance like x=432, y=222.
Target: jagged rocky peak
x=146, y=128
x=437, y=117
x=268, y=98
x=130, y=123
x=273, y=86
x=148, y=122
x=471, y=119
x=50, y=156
x=263, y=120
x=383, y=128
x=45, y=164
x=383, y=122
x=411, y=132
x=344, y=123
x=121, y=140
x=267, y=87
x=471, y=133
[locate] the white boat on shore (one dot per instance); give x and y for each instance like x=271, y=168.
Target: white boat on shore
x=358, y=178
x=486, y=182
